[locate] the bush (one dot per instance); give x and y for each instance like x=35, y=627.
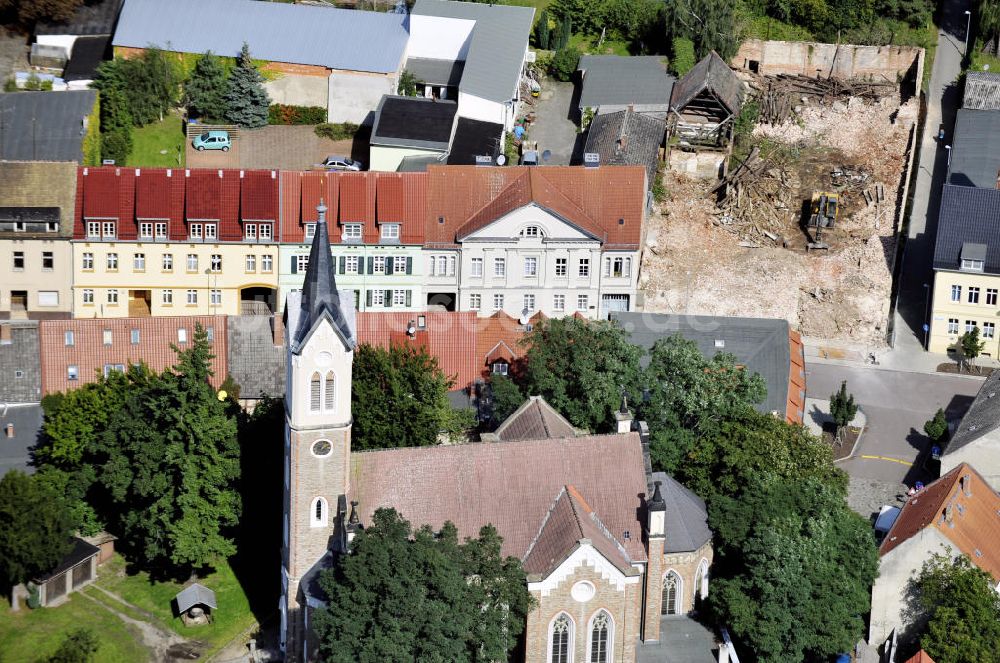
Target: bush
x=285, y=114
x=10, y=85
x=34, y=600
x=564, y=63
x=683, y=59
x=341, y=131
x=116, y=145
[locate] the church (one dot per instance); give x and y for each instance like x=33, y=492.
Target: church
x=611, y=550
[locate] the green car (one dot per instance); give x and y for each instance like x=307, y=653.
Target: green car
x=212, y=140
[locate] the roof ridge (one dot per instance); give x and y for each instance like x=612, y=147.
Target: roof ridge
x=537, y=173
x=573, y=493
x=545, y=520
x=447, y=447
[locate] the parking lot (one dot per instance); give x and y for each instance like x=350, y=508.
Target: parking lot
x=278, y=147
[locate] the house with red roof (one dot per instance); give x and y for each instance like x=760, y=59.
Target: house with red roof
x=959, y=514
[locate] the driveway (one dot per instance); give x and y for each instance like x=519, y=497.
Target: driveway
x=554, y=127
x=942, y=103
x=279, y=147
x=896, y=405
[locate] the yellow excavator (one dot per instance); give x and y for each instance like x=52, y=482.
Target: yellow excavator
x=822, y=215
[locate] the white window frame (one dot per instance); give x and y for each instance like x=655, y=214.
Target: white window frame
x=352, y=232
x=195, y=230
x=72, y=372
x=558, y=302
x=192, y=262
x=498, y=302
x=991, y=296
x=378, y=264
x=88, y=261
x=160, y=230
x=109, y=229
x=321, y=505
x=476, y=268
x=145, y=230
x=112, y=297
x=215, y=264
x=378, y=297
x=499, y=268
x=953, y=325
x=528, y=302
x=570, y=639
x=211, y=231
x=989, y=329
x=93, y=229
x=111, y=261
x=582, y=302
x=167, y=297
x=562, y=267
x=139, y=262
x=267, y=263
x=215, y=297
x=265, y=232
x=351, y=264
x=390, y=231
x=88, y=296
x=398, y=297
x=310, y=231
x=956, y=293
x=167, y=264
x=973, y=294
x=583, y=268
x=182, y=335
x=972, y=265
x=191, y=297
x=475, y=301
x=399, y=265
x=251, y=263
x=250, y=231
x=69, y=338
x=970, y=325
x=531, y=266
x=611, y=636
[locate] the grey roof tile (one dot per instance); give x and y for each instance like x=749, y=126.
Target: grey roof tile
x=627, y=138
x=15, y=454
x=96, y=17
x=760, y=344
x=975, y=154
x=615, y=80
x=195, y=594
x=713, y=74
x=968, y=215
x=44, y=126
x=982, y=418
x=497, y=46
x=686, y=518
x=301, y=34
x=255, y=362
x=432, y=71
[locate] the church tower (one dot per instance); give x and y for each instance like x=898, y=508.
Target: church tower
x=318, y=361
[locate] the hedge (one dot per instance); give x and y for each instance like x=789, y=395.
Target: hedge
x=285, y=114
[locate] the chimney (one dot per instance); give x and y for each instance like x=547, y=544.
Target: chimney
x=9, y=431
x=277, y=330
x=657, y=508
x=623, y=417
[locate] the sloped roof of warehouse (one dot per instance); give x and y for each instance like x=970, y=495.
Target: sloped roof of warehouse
x=497, y=46
x=277, y=32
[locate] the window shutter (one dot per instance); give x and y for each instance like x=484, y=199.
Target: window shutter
x=388, y=299
x=295, y=265
x=371, y=265
x=343, y=264
x=388, y=264
x=409, y=296
x=368, y=298
x=409, y=269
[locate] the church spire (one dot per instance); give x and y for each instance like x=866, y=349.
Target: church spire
x=319, y=290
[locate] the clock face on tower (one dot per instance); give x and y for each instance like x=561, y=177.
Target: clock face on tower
x=321, y=448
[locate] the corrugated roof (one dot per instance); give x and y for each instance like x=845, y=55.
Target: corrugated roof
x=982, y=90
x=44, y=126
x=566, y=525
x=534, y=420
x=195, y=594
x=497, y=45
x=760, y=344
x=609, y=201
x=509, y=485
x=968, y=214
x=712, y=74
x=982, y=418
x=96, y=17
x=414, y=122
x=975, y=154
x=278, y=32
x=616, y=80
x=627, y=138
x=964, y=509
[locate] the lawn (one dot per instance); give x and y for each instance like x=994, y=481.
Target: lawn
x=151, y=140
x=30, y=636
x=588, y=44
x=232, y=617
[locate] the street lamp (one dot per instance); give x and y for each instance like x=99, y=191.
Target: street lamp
x=948, y=147
x=968, y=24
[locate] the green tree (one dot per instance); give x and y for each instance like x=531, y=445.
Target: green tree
x=564, y=63
x=79, y=646
x=116, y=125
x=246, y=100
x=937, y=427
x=542, y=31
x=29, y=12
x=407, y=84
x=169, y=462
x=794, y=569
x=970, y=346
x=507, y=397
x=709, y=24
x=683, y=56
x=400, y=399
x=963, y=611
x=580, y=367
x=35, y=528
x=420, y=595
x=842, y=410
x=205, y=90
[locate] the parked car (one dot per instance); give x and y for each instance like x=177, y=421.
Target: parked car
x=334, y=162
x=212, y=140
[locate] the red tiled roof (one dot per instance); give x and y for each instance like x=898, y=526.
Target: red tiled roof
x=796, y=408
x=608, y=202
x=152, y=194
x=89, y=353
x=510, y=485
x=964, y=509
x=534, y=420
x=204, y=194
x=920, y=657
x=568, y=521
x=450, y=337
x=500, y=336
x=259, y=195
x=102, y=192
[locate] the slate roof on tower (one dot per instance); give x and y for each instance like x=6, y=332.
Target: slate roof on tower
x=320, y=296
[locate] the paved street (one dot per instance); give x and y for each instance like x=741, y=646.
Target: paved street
x=896, y=405
x=942, y=103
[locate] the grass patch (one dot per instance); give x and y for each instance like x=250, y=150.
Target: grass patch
x=587, y=45
x=981, y=60
x=232, y=617
x=30, y=636
x=149, y=141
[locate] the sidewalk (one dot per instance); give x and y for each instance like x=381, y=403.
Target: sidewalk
x=907, y=360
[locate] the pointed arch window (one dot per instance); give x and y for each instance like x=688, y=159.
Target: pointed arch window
x=701, y=581
x=561, y=640
x=671, y=594
x=329, y=392
x=315, y=386
x=318, y=513
x=601, y=634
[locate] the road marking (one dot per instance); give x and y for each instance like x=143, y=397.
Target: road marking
x=894, y=460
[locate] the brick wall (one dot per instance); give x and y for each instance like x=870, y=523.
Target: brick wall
x=686, y=565
x=654, y=590
x=623, y=606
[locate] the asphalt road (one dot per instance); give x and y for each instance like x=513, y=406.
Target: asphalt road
x=942, y=104
x=896, y=404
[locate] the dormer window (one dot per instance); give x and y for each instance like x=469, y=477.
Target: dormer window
x=973, y=257
x=310, y=231
x=390, y=231
x=531, y=231
x=352, y=232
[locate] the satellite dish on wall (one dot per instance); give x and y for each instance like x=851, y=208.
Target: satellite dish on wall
x=501, y=159
x=546, y=155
